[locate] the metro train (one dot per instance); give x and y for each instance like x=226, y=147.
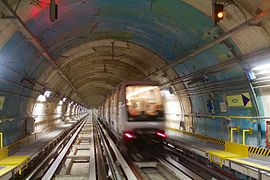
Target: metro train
x=134, y=113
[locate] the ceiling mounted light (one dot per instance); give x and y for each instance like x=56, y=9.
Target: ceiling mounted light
x=220, y=15
x=261, y=67
x=261, y=71
x=47, y=93
x=218, y=12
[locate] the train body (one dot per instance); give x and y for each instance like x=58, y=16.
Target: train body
x=134, y=111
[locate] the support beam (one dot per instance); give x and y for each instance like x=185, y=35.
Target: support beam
x=258, y=18
x=78, y=157
x=17, y=21
x=70, y=177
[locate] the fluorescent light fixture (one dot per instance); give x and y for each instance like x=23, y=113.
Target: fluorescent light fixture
x=264, y=78
x=264, y=71
x=165, y=93
x=261, y=67
x=60, y=102
x=41, y=98
x=47, y=93
x=251, y=75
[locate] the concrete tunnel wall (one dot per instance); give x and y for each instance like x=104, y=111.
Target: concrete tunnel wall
x=164, y=30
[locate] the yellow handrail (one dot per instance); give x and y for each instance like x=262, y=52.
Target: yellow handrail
x=244, y=135
x=1, y=138
x=234, y=129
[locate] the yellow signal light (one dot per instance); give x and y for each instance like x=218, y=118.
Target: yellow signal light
x=220, y=15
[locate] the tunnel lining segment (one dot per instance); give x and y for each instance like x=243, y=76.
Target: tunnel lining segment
x=219, y=39
x=27, y=33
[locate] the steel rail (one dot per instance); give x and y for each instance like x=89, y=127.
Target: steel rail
x=259, y=170
x=189, y=172
x=51, y=171
x=112, y=166
x=175, y=169
x=120, y=159
x=100, y=159
x=92, y=160
x=210, y=171
x=179, y=169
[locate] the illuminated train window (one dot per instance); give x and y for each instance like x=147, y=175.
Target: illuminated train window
x=144, y=103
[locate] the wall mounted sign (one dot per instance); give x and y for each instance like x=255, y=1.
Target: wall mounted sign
x=2, y=102
x=239, y=100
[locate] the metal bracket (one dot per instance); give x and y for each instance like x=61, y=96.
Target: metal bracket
x=3, y=16
x=250, y=130
x=259, y=24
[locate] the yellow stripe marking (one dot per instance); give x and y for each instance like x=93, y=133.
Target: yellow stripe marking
x=198, y=136
x=257, y=150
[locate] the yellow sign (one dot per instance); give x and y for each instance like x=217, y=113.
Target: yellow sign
x=2, y=101
x=239, y=100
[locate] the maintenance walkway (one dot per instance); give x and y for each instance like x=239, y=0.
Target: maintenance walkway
x=16, y=157
x=251, y=161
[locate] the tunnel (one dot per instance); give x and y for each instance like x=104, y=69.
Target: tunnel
x=61, y=59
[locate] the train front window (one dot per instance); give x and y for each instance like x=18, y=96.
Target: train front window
x=144, y=103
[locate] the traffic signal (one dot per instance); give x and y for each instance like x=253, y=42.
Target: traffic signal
x=53, y=10
x=219, y=12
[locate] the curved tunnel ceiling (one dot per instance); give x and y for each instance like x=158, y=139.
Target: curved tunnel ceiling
x=98, y=44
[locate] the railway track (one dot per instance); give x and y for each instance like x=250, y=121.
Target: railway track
x=89, y=152
x=73, y=158
x=162, y=169
x=201, y=166
x=139, y=166
x=77, y=160
x=151, y=164
x=139, y=169
x=170, y=163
